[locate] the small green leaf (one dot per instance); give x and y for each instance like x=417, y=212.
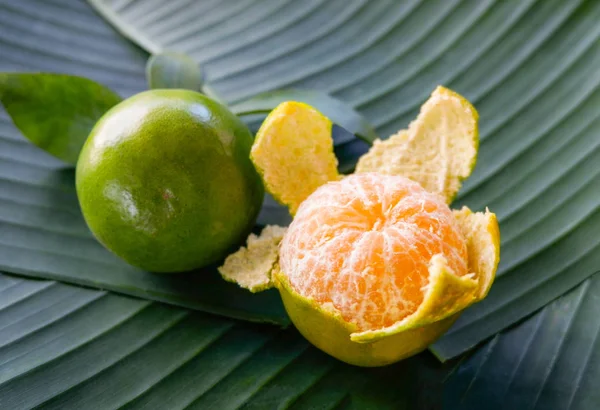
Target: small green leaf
x=173, y=70
x=337, y=111
x=55, y=111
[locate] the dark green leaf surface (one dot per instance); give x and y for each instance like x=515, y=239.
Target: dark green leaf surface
x=64, y=347
x=530, y=68
x=550, y=361
x=173, y=70
x=58, y=128
x=337, y=111
x=67, y=347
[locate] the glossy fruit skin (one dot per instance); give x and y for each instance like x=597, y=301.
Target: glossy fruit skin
x=165, y=181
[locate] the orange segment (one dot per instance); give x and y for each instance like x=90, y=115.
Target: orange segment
x=363, y=245
x=444, y=295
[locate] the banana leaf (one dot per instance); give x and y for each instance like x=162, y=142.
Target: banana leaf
x=63, y=346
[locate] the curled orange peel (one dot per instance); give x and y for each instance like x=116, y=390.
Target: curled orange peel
x=438, y=150
x=446, y=293
x=251, y=266
x=293, y=153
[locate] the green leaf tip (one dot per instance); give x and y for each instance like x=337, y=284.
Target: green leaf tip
x=170, y=69
x=56, y=112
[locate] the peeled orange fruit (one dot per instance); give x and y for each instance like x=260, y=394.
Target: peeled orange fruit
x=364, y=245
x=375, y=256
x=375, y=266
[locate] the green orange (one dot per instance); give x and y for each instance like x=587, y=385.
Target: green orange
x=165, y=181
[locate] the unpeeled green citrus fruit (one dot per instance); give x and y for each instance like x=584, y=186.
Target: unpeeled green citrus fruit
x=165, y=180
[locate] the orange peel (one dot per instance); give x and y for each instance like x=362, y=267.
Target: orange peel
x=482, y=233
x=439, y=149
x=327, y=330
x=446, y=294
x=251, y=266
x=293, y=153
